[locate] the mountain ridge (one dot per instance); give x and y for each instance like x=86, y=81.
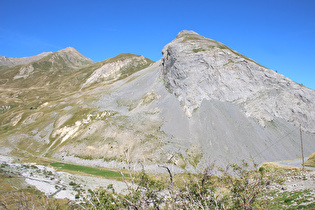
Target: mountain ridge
x=6, y=62
x=201, y=102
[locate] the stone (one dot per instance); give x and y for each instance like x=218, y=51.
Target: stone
x=196, y=68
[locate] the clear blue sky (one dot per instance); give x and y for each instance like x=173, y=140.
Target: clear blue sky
x=279, y=34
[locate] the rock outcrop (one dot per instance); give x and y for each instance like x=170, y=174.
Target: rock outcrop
x=120, y=66
x=196, y=68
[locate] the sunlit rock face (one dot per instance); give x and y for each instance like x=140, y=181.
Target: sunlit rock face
x=196, y=68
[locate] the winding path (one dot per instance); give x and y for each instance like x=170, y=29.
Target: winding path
x=296, y=163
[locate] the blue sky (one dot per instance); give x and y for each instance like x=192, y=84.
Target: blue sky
x=279, y=34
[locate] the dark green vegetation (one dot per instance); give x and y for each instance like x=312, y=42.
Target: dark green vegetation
x=86, y=170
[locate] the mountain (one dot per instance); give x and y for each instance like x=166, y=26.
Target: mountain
x=196, y=68
x=45, y=70
x=9, y=62
x=202, y=102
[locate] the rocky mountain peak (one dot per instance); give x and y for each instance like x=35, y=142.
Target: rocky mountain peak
x=196, y=68
x=68, y=58
x=69, y=49
x=187, y=33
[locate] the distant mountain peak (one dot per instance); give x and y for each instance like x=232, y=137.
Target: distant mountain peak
x=186, y=33
x=9, y=62
x=68, y=49
x=72, y=58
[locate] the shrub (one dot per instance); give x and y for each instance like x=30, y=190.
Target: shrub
x=237, y=187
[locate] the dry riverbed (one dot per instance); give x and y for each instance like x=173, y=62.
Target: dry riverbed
x=54, y=183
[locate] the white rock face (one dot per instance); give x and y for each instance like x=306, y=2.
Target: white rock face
x=196, y=68
x=112, y=70
x=24, y=72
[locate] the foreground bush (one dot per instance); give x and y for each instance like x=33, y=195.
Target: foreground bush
x=236, y=186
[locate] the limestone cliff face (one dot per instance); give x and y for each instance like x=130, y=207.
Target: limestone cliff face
x=196, y=68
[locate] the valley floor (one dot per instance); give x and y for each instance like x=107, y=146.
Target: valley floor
x=298, y=189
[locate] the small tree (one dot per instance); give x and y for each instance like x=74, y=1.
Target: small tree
x=245, y=183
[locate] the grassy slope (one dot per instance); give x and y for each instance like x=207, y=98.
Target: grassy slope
x=311, y=161
x=53, y=87
x=16, y=194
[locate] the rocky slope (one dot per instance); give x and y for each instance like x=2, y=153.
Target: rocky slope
x=202, y=102
x=196, y=68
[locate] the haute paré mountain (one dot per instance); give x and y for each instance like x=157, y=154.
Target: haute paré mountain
x=202, y=102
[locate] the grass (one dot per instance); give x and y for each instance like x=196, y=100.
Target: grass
x=291, y=200
x=310, y=161
x=194, y=155
x=198, y=50
x=16, y=194
x=273, y=166
x=196, y=37
x=87, y=170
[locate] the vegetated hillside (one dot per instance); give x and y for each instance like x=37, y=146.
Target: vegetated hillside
x=202, y=102
x=48, y=71
x=55, y=76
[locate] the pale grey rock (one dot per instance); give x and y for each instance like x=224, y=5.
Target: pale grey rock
x=221, y=130
x=24, y=72
x=196, y=68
